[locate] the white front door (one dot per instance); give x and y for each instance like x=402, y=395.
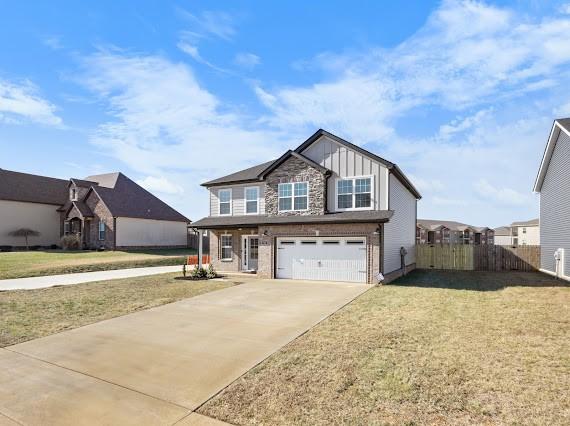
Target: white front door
x=250, y=252
x=322, y=258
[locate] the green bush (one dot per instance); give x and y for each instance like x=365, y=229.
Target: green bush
x=211, y=273
x=70, y=242
x=198, y=273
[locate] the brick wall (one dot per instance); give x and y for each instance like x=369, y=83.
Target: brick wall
x=100, y=212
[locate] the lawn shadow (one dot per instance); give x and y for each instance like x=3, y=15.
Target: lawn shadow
x=477, y=280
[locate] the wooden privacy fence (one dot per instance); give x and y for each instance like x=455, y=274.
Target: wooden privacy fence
x=193, y=241
x=477, y=257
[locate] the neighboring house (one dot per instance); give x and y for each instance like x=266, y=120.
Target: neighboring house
x=328, y=210
x=553, y=184
x=503, y=236
x=526, y=233
x=108, y=210
x=450, y=232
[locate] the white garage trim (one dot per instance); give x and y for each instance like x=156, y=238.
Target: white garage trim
x=322, y=258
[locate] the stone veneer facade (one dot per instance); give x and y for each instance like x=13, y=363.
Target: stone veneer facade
x=295, y=170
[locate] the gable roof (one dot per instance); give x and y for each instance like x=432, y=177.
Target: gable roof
x=559, y=125
x=288, y=155
x=257, y=173
x=82, y=182
x=503, y=231
x=532, y=222
x=126, y=198
x=433, y=225
x=16, y=186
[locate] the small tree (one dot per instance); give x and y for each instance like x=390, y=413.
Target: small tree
x=26, y=233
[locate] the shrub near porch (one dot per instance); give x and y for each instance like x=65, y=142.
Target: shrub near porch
x=435, y=348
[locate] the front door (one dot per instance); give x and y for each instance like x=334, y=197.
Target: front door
x=250, y=252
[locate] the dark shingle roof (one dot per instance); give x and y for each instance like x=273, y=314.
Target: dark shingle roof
x=250, y=174
x=564, y=122
x=83, y=183
x=16, y=186
x=254, y=173
x=370, y=216
x=450, y=224
x=285, y=157
x=128, y=199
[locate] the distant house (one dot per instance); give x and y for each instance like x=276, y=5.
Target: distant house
x=553, y=184
x=108, y=210
x=430, y=231
x=526, y=233
x=503, y=236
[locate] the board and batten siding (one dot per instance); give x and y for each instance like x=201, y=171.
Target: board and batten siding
x=43, y=218
x=345, y=162
x=238, y=198
x=555, y=207
x=133, y=232
x=400, y=231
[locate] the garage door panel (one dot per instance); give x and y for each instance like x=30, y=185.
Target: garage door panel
x=329, y=258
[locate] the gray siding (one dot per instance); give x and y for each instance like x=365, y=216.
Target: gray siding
x=555, y=206
x=400, y=231
x=238, y=198
x=344, y=162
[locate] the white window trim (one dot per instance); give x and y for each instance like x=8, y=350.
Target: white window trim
x=293, y=209
x=220, y=204
x=245, y=199
x=353, y=178
x=73, y=194
x=99, y=230
x=231, y=246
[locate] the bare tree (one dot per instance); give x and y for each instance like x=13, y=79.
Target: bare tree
x=25, y=232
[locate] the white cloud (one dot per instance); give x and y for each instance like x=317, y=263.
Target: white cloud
x=468, y=53
x=165, y=124
x=247, y=60
x=21, y=101
x=211, y=23
x=160, y=184
x=53, y=42
x=500, y=194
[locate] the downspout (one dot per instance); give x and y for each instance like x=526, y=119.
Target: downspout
x=114, y=233
x=327, y=175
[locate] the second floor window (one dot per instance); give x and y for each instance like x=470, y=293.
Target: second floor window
x=251, y=200
x=293, y=196
x=73, y=194
x=354, y=193
x=225, y=197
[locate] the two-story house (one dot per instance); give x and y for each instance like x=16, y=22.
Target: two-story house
x=328, y=210
x=430, y=231
x=553, y=184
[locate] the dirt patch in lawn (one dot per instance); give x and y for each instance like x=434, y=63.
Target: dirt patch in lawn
x=29, y=314
x=419, y=354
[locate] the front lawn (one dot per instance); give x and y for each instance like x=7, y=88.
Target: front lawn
x=52, y=262
x=432, y=348
x=29, y=314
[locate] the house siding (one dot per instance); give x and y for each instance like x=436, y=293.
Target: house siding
x=555, y=206
x=238, y=198
x=133, y=232
x=400, y=231
x=345, y=162
x=43, y=218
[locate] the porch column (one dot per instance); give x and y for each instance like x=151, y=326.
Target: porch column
x=200, y=248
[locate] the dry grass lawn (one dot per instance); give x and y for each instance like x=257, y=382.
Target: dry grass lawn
x=29, y=314
x=434, y=348
x=51, y=262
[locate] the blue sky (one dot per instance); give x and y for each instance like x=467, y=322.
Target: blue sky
x=461, y=94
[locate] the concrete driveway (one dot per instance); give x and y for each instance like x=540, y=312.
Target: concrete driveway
x=157, y=366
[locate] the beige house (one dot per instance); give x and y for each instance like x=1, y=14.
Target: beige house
x=429, y=231
x=109, y=211
x=328, y=210
x=525, y=233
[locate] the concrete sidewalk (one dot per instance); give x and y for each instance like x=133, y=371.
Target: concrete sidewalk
x=83, y=277
x=159, y=365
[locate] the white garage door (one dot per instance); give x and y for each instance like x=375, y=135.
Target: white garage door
x=324, y=258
